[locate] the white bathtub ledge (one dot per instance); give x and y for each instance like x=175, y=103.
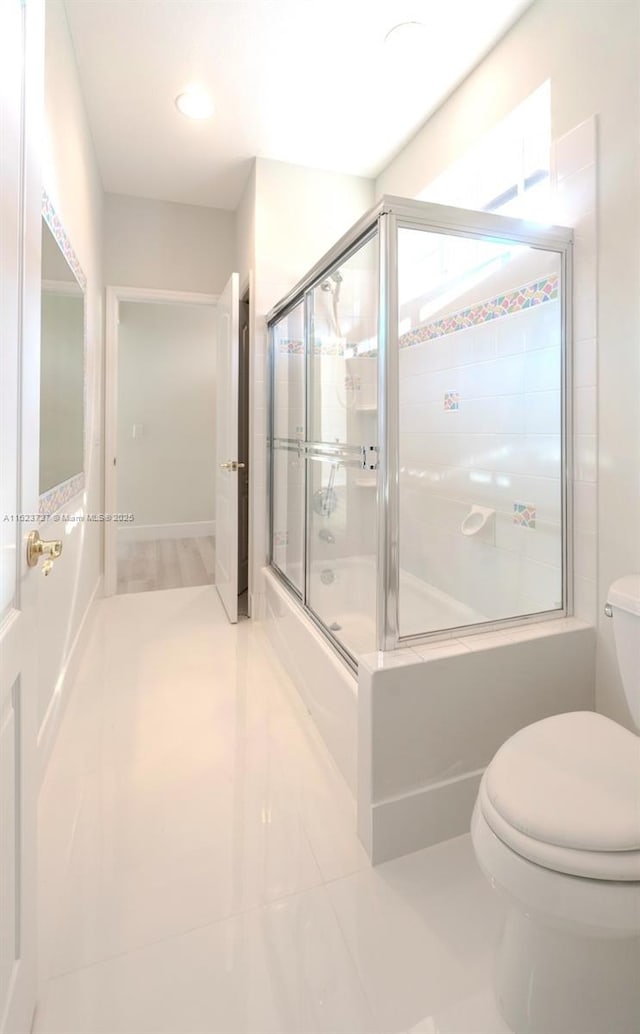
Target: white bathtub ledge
x=440, y=649
x=429, y=726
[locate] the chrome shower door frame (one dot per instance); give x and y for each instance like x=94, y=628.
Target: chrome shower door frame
x=385, y=219
x=400, y=213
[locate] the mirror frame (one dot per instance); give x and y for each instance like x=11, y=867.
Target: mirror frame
x=54, y=498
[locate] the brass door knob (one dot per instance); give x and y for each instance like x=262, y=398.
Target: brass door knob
x=37, y=547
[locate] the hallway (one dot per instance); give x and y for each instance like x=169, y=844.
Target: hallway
x=200, y=870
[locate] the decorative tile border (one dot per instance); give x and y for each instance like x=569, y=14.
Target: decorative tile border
x=56, y=497
x=52, y=220
x=451, y=401
x=338, y=349
x=524, y=515
x=526, y=297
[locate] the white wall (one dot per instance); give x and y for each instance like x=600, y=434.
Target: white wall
x=165, y=245
x=71, y=178
x=245, y=230
x=166, y=388
x=590, y=53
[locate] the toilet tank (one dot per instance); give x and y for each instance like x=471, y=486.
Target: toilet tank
x=624, y=599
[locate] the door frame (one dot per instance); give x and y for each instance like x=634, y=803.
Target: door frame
x=23, y=108
x=115, y=295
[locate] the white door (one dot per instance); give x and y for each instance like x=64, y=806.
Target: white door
x=227, y=448
x=21, y=61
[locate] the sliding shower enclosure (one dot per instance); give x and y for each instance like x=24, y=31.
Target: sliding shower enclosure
x=419, y=427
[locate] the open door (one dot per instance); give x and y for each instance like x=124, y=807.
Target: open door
x=227, y=465
x=21, y=62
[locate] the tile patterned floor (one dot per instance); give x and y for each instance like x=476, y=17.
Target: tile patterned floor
x=200, y=871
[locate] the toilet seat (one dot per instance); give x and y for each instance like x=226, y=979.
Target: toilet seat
x=565, y=793
x=606, y=908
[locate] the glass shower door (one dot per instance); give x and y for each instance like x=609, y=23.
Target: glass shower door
x=341, y=448
x=480, y=355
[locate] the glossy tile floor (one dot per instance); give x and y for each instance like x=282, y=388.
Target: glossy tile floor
x=200, y=871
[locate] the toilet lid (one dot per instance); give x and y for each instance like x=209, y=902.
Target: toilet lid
x=572, y=781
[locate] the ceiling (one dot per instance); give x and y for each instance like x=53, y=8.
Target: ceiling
x=302, y=81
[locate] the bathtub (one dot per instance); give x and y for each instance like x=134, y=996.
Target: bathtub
x=413, y=731
x=342, y=592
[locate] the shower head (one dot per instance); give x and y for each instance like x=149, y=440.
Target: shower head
x=337, y=280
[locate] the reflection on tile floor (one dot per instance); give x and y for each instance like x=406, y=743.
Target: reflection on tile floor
x=200, y=870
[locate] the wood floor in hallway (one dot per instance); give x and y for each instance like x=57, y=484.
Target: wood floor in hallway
x=166, y=564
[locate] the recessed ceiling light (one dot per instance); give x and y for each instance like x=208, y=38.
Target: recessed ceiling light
x=195, y=102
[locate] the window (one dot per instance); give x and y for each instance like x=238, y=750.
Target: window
x=508, y=170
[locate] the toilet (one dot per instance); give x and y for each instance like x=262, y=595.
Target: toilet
x=556, y=830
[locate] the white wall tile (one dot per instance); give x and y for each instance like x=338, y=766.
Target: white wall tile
x=585, y=411
x=576, y=149
x=541, y=411
x=585, y=605
x=585, y=506
x=585, y=363
x=585, y=457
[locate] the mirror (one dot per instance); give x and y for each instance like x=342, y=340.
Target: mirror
x=61, y=368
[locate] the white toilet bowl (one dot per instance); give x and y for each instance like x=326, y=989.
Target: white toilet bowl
x=556, y=829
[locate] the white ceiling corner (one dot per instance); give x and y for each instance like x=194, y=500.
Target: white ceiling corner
x=301, y=81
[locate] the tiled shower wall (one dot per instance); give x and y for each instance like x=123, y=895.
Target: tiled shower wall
x=476, y=408
x=480, y=414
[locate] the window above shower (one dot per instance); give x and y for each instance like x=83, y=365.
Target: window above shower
x=508, y=170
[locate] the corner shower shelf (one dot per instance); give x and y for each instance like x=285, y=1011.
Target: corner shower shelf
x=367, y=407
x=366, y=482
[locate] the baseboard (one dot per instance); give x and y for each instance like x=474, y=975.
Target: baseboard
x=423, y=817
x=152, y=532
x=52, y=720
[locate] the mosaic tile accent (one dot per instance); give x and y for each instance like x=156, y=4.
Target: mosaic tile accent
x=524, y=515
x=56, y=497
x=526, y=297
x=535, y=293
x=57, y=229
x=330, y=348
x=451, y=401
x=281, y=538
